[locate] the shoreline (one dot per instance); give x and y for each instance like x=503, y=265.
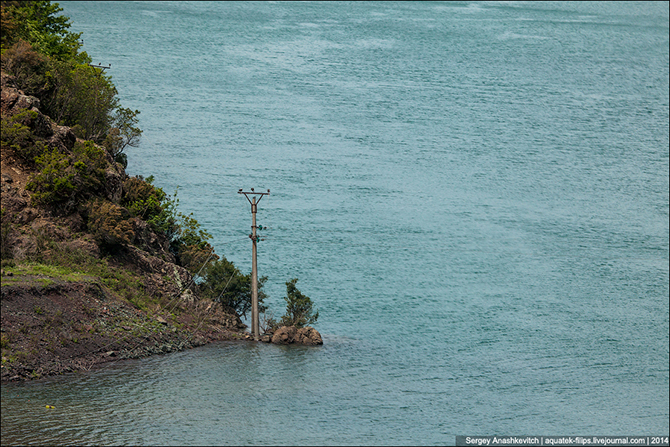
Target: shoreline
x=49, y=330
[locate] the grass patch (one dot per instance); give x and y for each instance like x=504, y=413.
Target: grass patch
x=44, y=270
x=7, y=280
x=124, y=284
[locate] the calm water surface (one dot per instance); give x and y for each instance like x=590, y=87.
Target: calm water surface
x=475, y=195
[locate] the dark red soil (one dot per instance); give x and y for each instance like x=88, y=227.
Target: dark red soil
x=72, y=326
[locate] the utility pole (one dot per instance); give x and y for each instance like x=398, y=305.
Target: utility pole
x=255, y=326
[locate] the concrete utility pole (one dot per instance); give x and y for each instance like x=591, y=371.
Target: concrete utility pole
x=255, y=326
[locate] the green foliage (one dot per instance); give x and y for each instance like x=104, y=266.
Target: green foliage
x=224, y=283
x=54, y=182
x=67, y=180
x=17, y=135
x=89, y=164
x=38, y=22
x=8, y=26
x=189, y=243
x=74, y=94
x=142, y=199
x=299, y=311
x=109, y=224
x=44, y=58
x=165, y=221
x=124, y=133
x=80, y=95
x=27, y=66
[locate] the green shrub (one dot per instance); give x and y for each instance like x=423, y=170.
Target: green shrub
x=109, y=224
x=224, y=283
x=122, y=134
x=142, y=199
x=299, y=311
x=53, y=183
x=189, y=243
x=90, y=163
x=80, y=95
x=27, y=66
x=67, y=180
x=44, y=58
x=17, y=135
x=37, y=22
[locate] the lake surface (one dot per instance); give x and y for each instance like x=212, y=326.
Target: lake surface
x=475, y=196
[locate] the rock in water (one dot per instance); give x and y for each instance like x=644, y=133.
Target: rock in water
x=309, y=336
x=290, y=334
x=284, y=335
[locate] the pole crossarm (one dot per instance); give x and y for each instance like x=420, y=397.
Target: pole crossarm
x=100, y=66
x=253, y=193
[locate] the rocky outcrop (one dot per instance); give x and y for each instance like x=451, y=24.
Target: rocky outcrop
x=62, y=138
x=161, y=277
x=113, y=183
x=148, y=240
x=292, y=335
x=13, y=100
x=215, y=315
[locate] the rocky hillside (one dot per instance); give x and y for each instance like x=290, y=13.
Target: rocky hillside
x=85, y=280
x=98, y=265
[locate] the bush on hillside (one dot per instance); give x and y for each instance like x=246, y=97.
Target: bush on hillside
x=38, y=22
x=109, y=224
x=16, y=134
x=66, y=180
x=223, y=282
x=26, y=66
x=123, y=133
x=142, y=199
x=45, y=61
x=53, y=184
x=80, y=96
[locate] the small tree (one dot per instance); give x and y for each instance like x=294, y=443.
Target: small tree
x=27, y=66
x=124, y=133
x=223, y=282
x=298, y=307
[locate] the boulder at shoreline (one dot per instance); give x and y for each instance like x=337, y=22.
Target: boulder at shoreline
x=286, y=335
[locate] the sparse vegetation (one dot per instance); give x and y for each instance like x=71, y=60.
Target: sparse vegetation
x=80, y=229
x=66, y=180
x=299, y=311
x=109, y=224
x=226, y=284
x=17, y=135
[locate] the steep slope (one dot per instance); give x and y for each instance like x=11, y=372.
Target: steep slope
x=83, y=281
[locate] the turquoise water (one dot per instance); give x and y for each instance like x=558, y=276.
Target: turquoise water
x=475, y=196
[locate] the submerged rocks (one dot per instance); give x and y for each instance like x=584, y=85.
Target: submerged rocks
x=290, y=334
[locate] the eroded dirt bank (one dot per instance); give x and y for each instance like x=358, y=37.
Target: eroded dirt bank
x=49, y=327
